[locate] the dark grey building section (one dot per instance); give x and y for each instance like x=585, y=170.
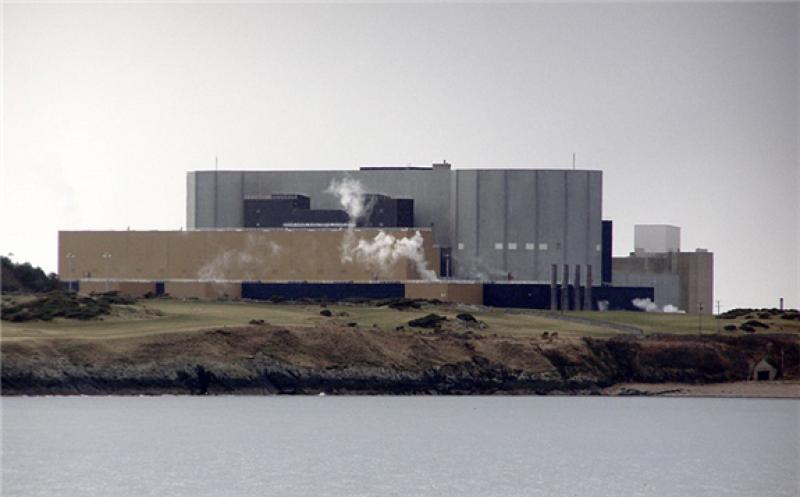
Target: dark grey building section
x=496, y=223
x=294, y=210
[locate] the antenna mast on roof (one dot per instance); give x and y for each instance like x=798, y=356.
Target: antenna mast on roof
x=216, y=163
x=573, y=160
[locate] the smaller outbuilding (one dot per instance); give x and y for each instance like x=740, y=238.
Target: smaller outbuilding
x=764, y=370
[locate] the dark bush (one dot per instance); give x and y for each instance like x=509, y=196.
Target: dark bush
x=729, y=327
x=466, y=317
x=26, y=278
x=428, y=321
x=755, y=324
x=58, y=304
x=326, y=312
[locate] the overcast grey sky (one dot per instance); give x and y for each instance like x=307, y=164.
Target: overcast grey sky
x=691, y=111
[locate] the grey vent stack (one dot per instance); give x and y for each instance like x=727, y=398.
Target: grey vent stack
x=587, y=301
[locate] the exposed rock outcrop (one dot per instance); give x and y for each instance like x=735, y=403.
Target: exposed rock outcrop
x=338, y=359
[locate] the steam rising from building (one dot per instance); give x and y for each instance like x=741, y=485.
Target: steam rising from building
x=231, y=261
x=384, y=250
x=648, y=305
x=350, y=193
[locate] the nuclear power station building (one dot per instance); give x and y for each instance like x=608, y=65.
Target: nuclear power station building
x=485, y=223
x=506, y=237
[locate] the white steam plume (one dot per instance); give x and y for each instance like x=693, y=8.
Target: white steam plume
x=382, y=251
x=645, y=305
x=648, y=305
x=351, y=196
x=232, y=262
x=385, y=250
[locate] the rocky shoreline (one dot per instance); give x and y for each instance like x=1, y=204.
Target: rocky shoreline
x=263, y=359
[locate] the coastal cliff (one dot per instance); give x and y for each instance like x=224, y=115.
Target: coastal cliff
x=264, y=359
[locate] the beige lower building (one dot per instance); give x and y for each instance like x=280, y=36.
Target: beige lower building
x=98, y=258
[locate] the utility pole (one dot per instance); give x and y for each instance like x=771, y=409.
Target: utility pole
x=699, y=318
x=717, y=317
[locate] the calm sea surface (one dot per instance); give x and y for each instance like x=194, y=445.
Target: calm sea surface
x=399, y=446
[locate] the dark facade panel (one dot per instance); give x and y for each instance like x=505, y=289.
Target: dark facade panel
x=318, y=216
x=606, y=253
x=405, y=212
x=537, y=296
x=330, y=291
x=620, y=298
x=520, y=295
x=278, y=210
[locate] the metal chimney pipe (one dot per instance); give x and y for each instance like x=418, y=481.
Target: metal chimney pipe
x=565, y=289
x=577, y=289
x=553, y=288
x=587, y=300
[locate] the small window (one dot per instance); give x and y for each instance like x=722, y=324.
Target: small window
x=598, y=247
x=542, y=246
x=498, y=246
x=258, y=211
x=512, y=246
x=460, y=246
x=529, y=246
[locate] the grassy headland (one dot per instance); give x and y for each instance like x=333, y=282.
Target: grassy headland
x=173, y=346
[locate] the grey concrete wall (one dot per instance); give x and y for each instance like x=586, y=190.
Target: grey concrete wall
x=497, y=221
x=696, y=270
x=522, y=221
x=191, y=198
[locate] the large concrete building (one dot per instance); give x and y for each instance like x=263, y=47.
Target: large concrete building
x=486, y=223
x=502, y=237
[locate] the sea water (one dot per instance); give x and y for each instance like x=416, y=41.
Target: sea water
x=399, y=446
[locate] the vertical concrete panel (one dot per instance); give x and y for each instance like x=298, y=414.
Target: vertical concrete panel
x=595, y=215
x=492, y=219
x=230, y=204
x=205, y=207
x=552, y=215
x=191, y=201
x=521, y=227
x=577, y=228
x=467, y=254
